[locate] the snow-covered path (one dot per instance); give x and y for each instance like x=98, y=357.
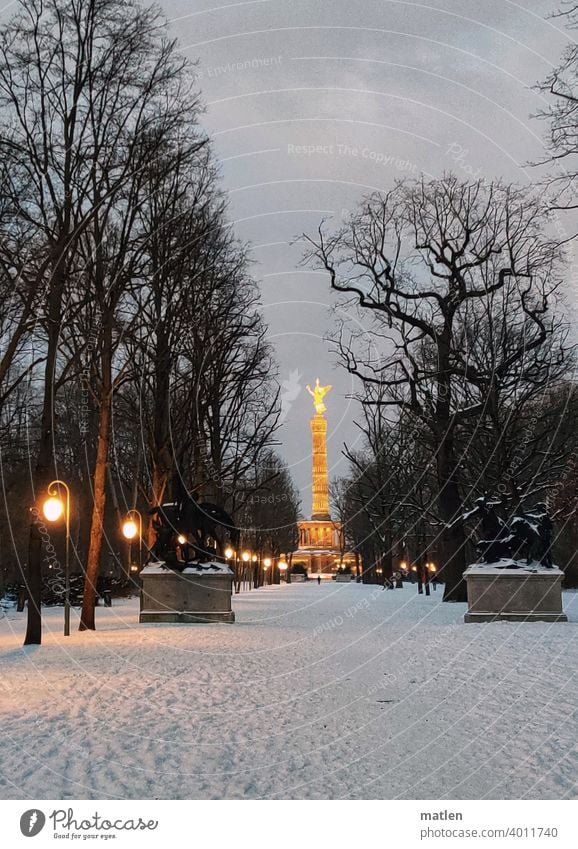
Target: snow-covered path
x=331, y=691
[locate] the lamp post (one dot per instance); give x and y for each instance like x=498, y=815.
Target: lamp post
x=232, y=563
x=266, y=565
x=245, y=557
x=53, y=508
x=129, y=530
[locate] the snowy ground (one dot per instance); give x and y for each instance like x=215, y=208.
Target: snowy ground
x=316, y=692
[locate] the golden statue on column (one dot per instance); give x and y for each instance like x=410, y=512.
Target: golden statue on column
x=318, y=393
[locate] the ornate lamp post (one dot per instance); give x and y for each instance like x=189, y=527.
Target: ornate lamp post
x=53, y=508
x=245, y=558
x=266, y=565
x=232, y=561
x=130, y=529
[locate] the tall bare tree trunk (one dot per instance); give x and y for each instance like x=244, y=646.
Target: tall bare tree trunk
x=99, y=485
x=449, y=501
x=161, y=455
x=44, y=458
x=452, y=538
x=160, y=479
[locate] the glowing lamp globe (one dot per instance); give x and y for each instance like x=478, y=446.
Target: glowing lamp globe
x=267, y=562
x=181, y=539
x=129, y=529
x=246, y=556
x=228, y=553
x=53, y=508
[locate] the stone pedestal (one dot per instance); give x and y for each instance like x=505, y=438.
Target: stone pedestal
x=197, y=594
x=526, y=594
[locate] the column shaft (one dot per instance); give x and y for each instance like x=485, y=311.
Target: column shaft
x=320, y=506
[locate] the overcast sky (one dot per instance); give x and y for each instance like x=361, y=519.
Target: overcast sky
x=377, y=89
x=313, y=103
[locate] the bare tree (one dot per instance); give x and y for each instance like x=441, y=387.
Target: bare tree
x=269, y=512
x=181, y=215
x=114, y=248
x=433, y=263
x=561, y=116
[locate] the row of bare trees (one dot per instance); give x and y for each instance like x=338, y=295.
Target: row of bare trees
x=466, y=360
x=387, y=502
x=467, y=364
x=269, y=511
x=132, y=340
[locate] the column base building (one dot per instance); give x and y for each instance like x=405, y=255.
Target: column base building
x=321, y=548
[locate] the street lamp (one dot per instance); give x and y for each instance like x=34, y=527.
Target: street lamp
x=266, y=566
x=130, y=529
x=53, y=508
x=228, y=553
x=245, y=557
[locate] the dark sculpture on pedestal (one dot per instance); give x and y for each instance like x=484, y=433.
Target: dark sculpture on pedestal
x=514, y=578
x=185, y=526
x=527, y=536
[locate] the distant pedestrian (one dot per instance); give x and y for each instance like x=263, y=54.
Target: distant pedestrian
x=318, y=579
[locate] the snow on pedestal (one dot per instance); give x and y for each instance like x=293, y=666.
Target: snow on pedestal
x=200, y=593
x=515, y=591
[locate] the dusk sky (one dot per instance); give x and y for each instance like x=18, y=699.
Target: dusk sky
x=311, y=105
x=315, y=103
